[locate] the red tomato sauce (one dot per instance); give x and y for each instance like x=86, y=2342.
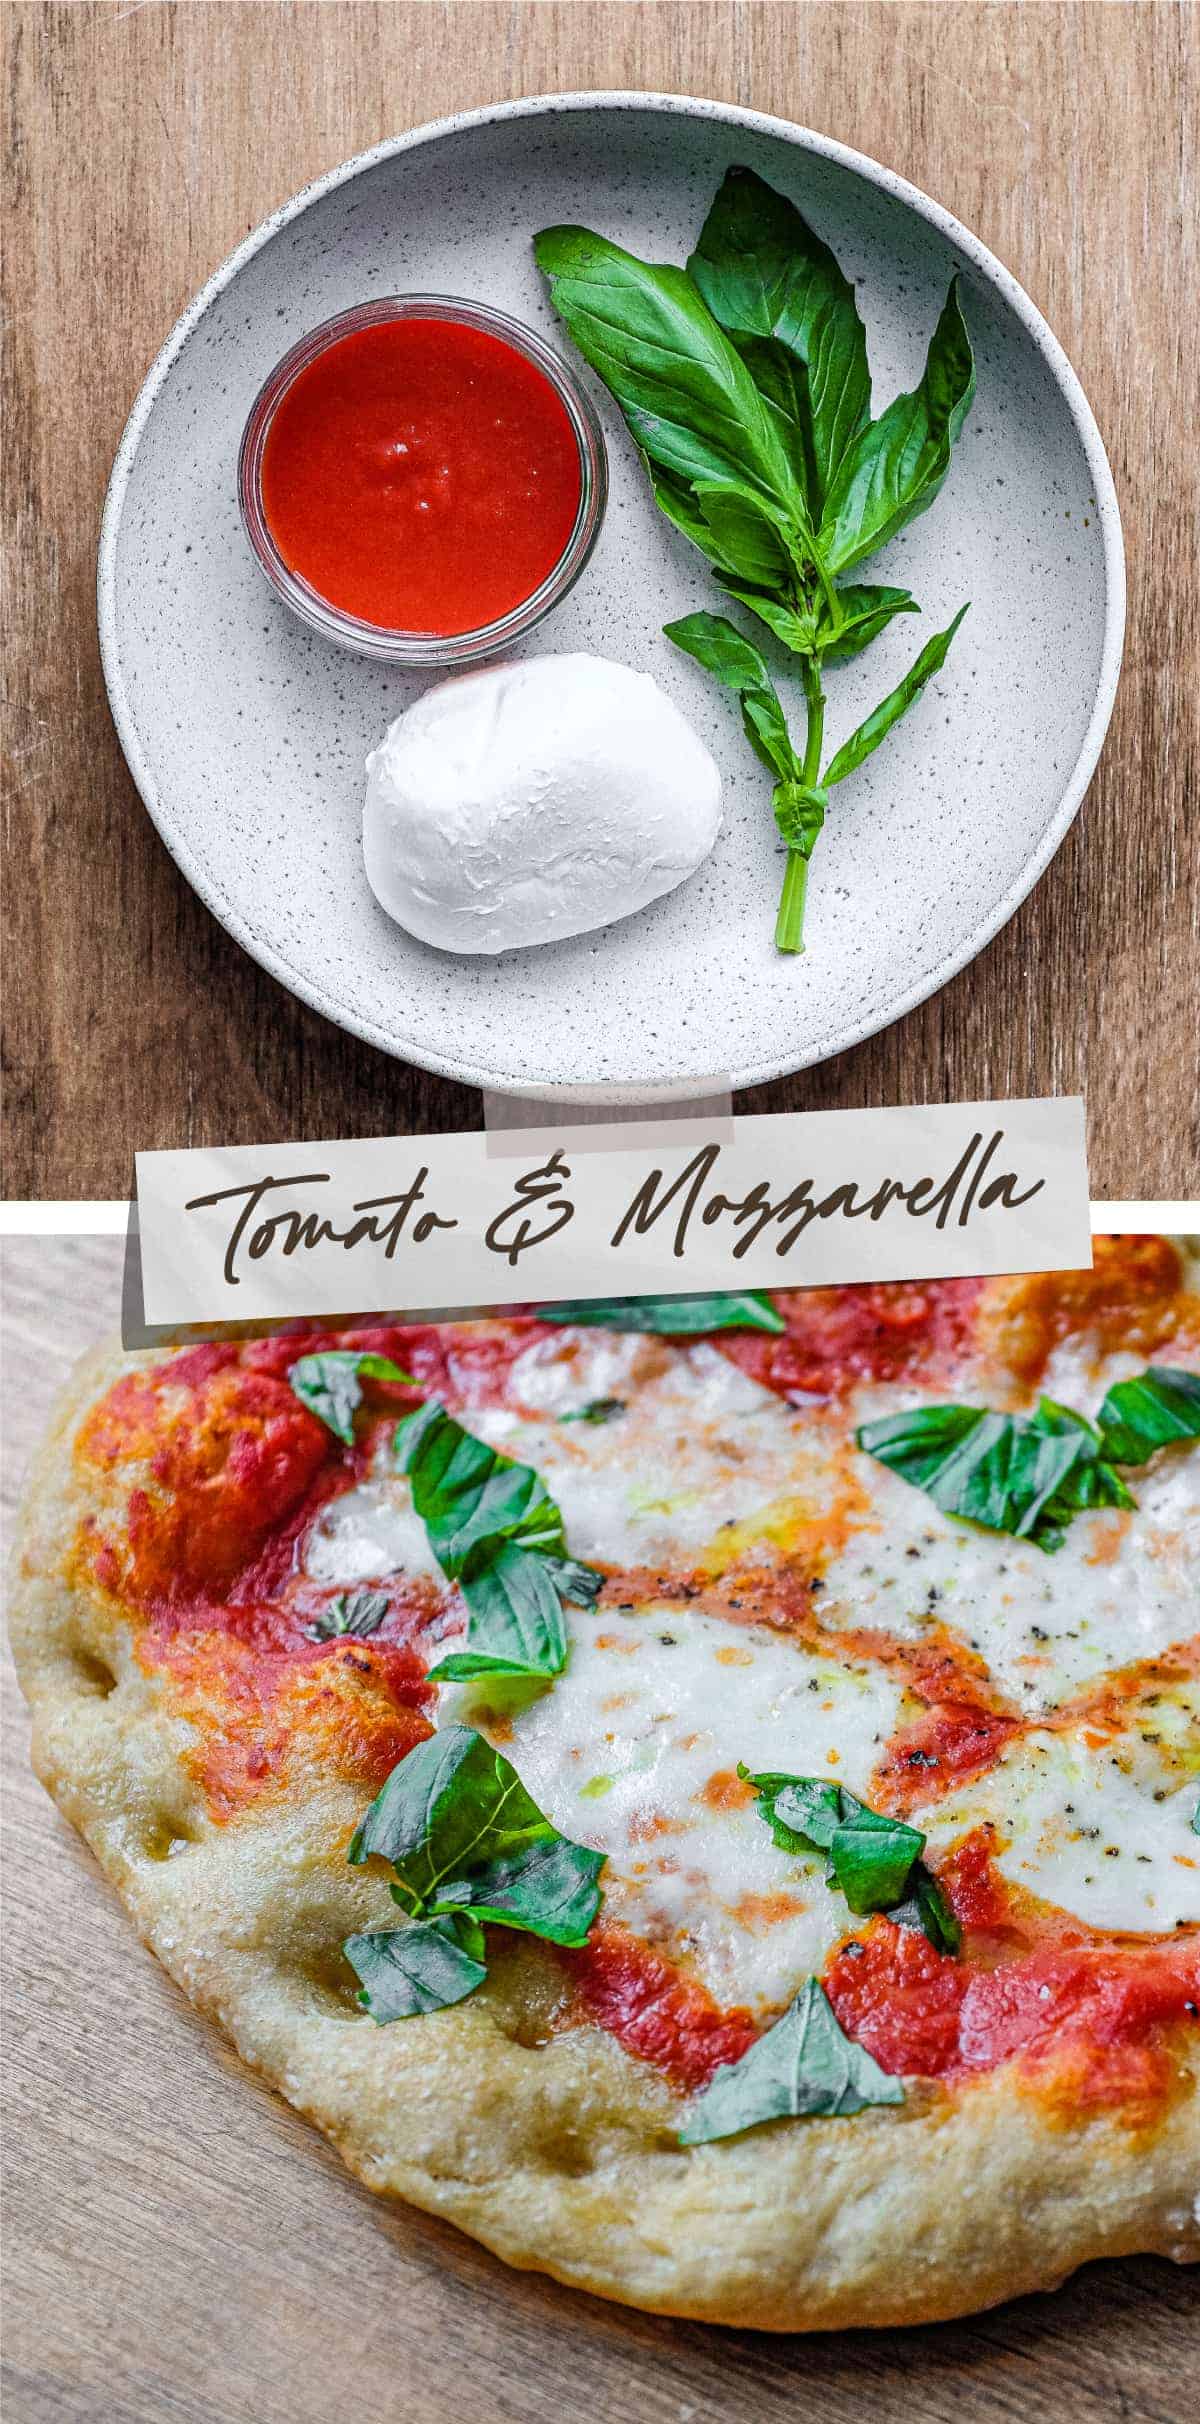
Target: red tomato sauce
x=1089, y=2019
x=839, y=1337
x=234, y=1471
x=953, y=1741
x=654, y=2011
x=422, y=475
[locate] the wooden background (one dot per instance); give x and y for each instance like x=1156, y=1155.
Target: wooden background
x=181, y=2249
x=147, y=139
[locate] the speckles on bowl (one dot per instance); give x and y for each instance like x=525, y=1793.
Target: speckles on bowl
x=247, y=736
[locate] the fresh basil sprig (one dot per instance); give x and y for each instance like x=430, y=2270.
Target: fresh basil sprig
x=330, y=1385
x=804, y=2065
x=669, y=1316
x=467, y=1845
x=875, y=1861
x=746, y=386
x=495, y=1531
x=1028, y=1475
x=359, y=1613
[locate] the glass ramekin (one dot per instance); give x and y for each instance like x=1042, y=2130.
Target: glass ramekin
x=425, y=648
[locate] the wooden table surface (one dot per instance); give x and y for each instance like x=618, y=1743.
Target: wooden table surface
x=181, y=2249
x=147, y=139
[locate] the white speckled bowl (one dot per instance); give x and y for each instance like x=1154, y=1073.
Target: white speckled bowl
x=246, y=735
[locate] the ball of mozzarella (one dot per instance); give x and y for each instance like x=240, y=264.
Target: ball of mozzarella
x=535, y=800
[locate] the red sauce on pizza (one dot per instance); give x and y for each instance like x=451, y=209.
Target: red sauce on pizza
x=1091, y=2020
x=952, y=1742
x=228, y=1454
x=839, y=1337
x=654, y=2010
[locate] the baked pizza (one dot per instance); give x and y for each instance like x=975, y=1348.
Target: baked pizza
x=702, y=1793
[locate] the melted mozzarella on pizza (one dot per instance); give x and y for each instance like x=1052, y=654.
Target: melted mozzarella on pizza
x=1095, y=1829
x=369, y=1533
x=635, y=1748
x=635, y=1751
x=1120, y=1589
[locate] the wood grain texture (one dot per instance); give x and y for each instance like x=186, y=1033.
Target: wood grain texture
x=147, y=139
x=181, y=2249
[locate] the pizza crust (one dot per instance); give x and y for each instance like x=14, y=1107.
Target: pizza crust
x=554, y=2147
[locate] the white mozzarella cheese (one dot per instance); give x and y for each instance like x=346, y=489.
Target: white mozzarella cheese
x=534, y=800
x=699, y=1448
x=1118, y=1589
x=635, y=1751
x=368, y=1533
x=1097, y=1831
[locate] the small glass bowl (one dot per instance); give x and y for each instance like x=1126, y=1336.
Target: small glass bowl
x=425, y=648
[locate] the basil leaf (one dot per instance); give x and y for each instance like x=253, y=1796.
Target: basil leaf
x=864, y=610
x=765, y=727
x=669, y=1316
x=889, y=711
x=467, y=1494
x=548, y=1891
x=927, y=1911
x=330, y=1385
x=1008, y=1473
x=1157, y=1410
x=677, y=501
x=795, y=625
x=782, y=382
x=467, y=1844
x=725, y=651
x=405, y=1971
x=804, y=2065
x=763, y=273
x=871, y=1857
x=747, y=535
x=690, y=403
x=873, y=1860
x=579, y=1583
x=722, y=649
x=1090, y=1483
x=729, y=522
x=896, y=466
x=812, y=1811
x=598, y=1409
x=496, y=1531
x=515, y=1618
x=358, y=1612
x=452, y=1804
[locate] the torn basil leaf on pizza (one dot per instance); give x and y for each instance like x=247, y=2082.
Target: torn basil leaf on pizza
x=712, y=1808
